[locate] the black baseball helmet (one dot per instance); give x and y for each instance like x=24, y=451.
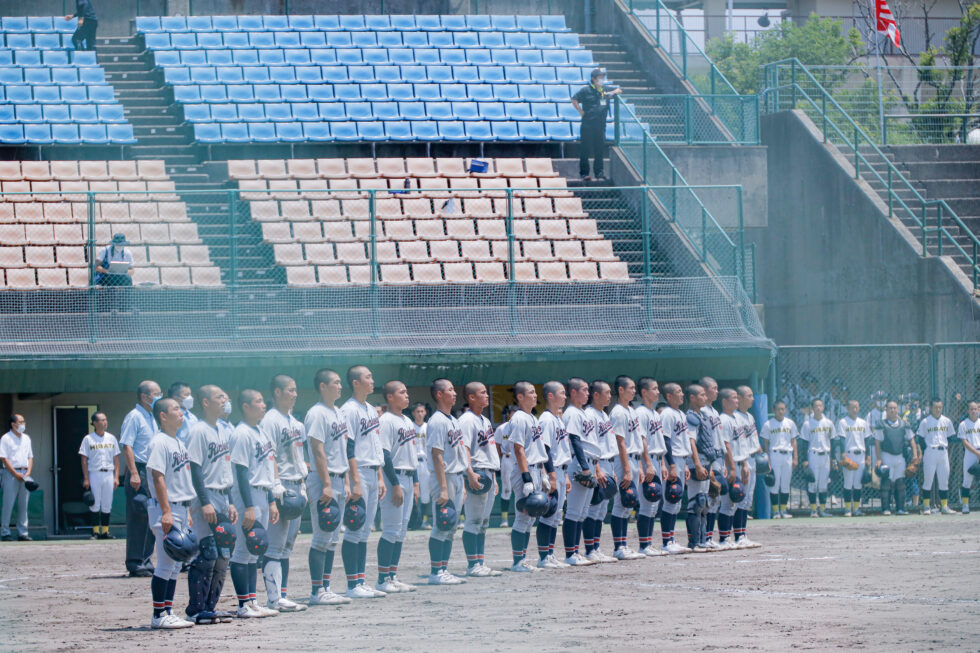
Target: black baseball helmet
x=762, y=465
x=809, y=476
x=181, y=544
x=610, y=488
x=736, y=492
x=446, y=516
x=653, y=491
x=770, y=479
x=486, y=481
x=974, y=469
x=290, y=505
x=536, y=504
x=224, y=532
x=30, y=484
x=328, y=515
x=552, y=504
x=88, y=498
x=256, y=540
x=866, y=476
x=355, y=514
x=673, y=492
x=628, y=496
x=885, y=472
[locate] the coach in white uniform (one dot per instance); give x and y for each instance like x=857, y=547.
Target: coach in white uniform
x=780, y=434
x=936, y=430
x=18, y=462
x=481, y=448
x=447, y=462
x=818, y=431
x=556, y=440
x=100, y=472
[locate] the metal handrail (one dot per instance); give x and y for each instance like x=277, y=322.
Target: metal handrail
x=707, y=105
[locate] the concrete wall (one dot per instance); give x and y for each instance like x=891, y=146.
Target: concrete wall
x=833, y=269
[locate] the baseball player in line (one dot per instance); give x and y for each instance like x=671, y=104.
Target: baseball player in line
x=891, y=437
x=734, y=438
x=969, y=435
x=631, y=464
x=210, y=463
x=721, y=465
x=818, y=431
x=287, y=433
x=743, y=415
x=702, y=456
x=653, y=437
x=481, y=449
x=447, y=461
x=100, y=473
x=362, y=428
x=556, y=440
x=333, y=466
x=780, y=434
x=171, y=491
x=674, y=425
x=400, y=450
x=253, y=456
x=855, y=458
x=419, y=416
x=585, y=449
x=936, y=430
x=600, y=396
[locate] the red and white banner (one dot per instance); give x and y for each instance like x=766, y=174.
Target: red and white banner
x=885, y=22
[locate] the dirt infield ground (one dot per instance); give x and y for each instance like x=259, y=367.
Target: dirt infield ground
x=899, y=584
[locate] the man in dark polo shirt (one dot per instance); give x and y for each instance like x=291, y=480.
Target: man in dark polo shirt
x=592, y=103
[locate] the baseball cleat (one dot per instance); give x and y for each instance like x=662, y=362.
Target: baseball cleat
x=245, y=612
x=285, y=605
x=902, y=512
x=630, y=554
x=814, y=513
x=203, y=618
x=966, y=509
x=326, y=597
x=887, y=513
x=168, y=622
x=578, y=560
x=858, y=513
x=359, y=592
x=377, y=593
x=544, y=563
x=847, y=514
x=263, y=611
x=437, y=579
x=711, y=545
x=946, y=510
x=450, y=579
x=697, y=548
x=727, y=545
x=558, y=563
x=491, y=572
x=824, y=513
x=389, y=587
x=403, y=587
x=594, y=557
x=777, y=515
x=603, y=557
x=520, y=567
x=477, y=571
x=926, y=511
x=651, y=552
x=785, y=514
x=673, y=548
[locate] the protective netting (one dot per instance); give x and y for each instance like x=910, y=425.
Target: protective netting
x=909, y=374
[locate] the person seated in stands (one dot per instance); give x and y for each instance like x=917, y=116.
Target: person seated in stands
x=111, y=259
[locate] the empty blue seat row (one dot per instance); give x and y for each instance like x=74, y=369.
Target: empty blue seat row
x=211, y=93
x=68, y=134
x=58, y=57
x=367, y=74
x=373, y=23
x=61, y=113
x=396, y=56
x=32, y=24
x=52, y=75
x=341, y=111
x=222, y=40
x=49, y=41
x=73, y=93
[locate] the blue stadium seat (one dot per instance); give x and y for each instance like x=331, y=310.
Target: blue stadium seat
x=557, y=92
x=364, y=39
x=203, y=75
x=505, y=130
x=401, y=56
x=197, y=113
x=163, y=58
x=532, y=131
x=492, y=74
x=375, y=56
x=320, y=92
x=530, y=58
x=439, y=110
x=428, y=92
x=207, y=133
x=37, y=24
x=146, y=24
x=29, y=113
x=282, y=74
x=506, y=92
x=287, y=39
x=251, y=112
x=403, y=23
x=65, y=75
x=10, y=133
x=260, y=132
x=518, y=40
x=415, y=39
x=224, y=112
x=503, y=57
x=465, y=111
x=71, y=93
x=569, y=75
x=517, y=110
x=359, y=111
x=412, y=110
x=199, y=23
x=543, y=41
x=91, y=75
x=15, y=24
x=210, y=40
x=301, y=23
x=567, y=112
x=67, y=134
x=529, y=24
x=187, y=93
x=316, y=131
x=93, y=134
x=492, y=110
x=291, y=132
x=554, y=23
x=554, y=57
x=297, y=57
x=478, y=130
x=466, y=40
x=372, y=130
x=313, y=39
x=229, y=74
x=452, y=130
x=453, y=22
x=332, y=111
x=517, y=74
x=544, y=111
x=84, y=113
x=544, y=74
x=58, y=112
x=47, y=94
x=378, y=23
x=19, y=41
x=352, y=23
x=271, y=57
x=478, y=23
x=401, y=92
x=183, y=40
x=350, y=56
x=40, y=134
x=388, y=74
x=482, y=92
x=294, y=92
x=279, y=111
x=567, y=41
x=27, y=57
x=111, y=113
x=213, y=93
x=327, y=23
x=248, y=23
x=480, y=56
x=173, y=24
x=374, y=91
x=192, y=57
x=275, y=23
x=323, y=57
x=385, y=110
x=429, y=23
x=347, y=92
x=6, y=57
x=308, y=74
x=101, y=93
x=425, y=130
x=339, y=40
x=256, y=74
x=7, y=113
x=398, y=130
x=503, y=23
x=453, y=92
x=361, y=74
x=11, y=75
x=441, y=39
x=19, y=93
x=237, y=40
x=225, y=23
x=55, y=58
x=389, y=39
x=581, y=58
x=344, y=131
x=121, y=133
x=267, y=93
x=414, y=74
x=558, y=131
x=245, y=57
x=470, y=74
x=428, y=56
x=261, y=39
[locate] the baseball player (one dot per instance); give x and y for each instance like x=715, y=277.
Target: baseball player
x=288, y=434
x=171, y=490
x=481, y=450
x=969, y=434
x=253, y=459
x=181, y=393
x=721, y=464
x=733, y=436
x=506, y=466
x=332, y=467
x=780, y=434
x=419, y=415
x=818, y=431
x=674, y=426
x=600, y=396
x=399, y=445
x=585, y=449
x=137, y=429
x=100, y=473
x=362, y=428
x=936, y=430
x=653, y=437
x=556, y=440
x=854, y=431
x=631, y=463
x=745, y=400
x=891, y=437
x=447, y=461
x=703, y=456
x=533, y=469
x=211, y=473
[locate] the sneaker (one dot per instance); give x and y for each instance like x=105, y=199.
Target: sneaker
x=858, y=513
x=697, y=548
x=359, y=592
x=326, y=597
x=727, y=545
x=777, y=515
x=631, y=554
x=926, y=511
x=450, y=579
x=263, y=611
x=377, y=593
x=203, y=618
x=847, y=514
x=224, y=617
x=488, y=572
x=521, y=567
x=477, y=571
x=887, y=513
x=437, y=579
x=902, y=512
x=28, y=538
x=746, y=543
x=711, y=545
x=578, y=560
x=245, y=611
x=594, y=557
x=673, y=548
x=285, y=605
x=604, y=558
x=168, y=621
x=545, y=563
x=946, y=510
x=824, y=513
x=588, y=178
x=389, y=587
x=785, y=515
x=404, y=587
x=966, y=509
x=651, y=552
x=558, y=563
x=813, y=513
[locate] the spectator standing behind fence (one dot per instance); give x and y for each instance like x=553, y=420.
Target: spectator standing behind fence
x=88, y=22
x=592, y=103
x=116, y=252
x=17, y=459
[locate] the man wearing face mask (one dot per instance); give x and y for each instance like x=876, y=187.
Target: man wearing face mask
x=18, y=461
x=592, y=103
x=181, y=393
x=138, y=428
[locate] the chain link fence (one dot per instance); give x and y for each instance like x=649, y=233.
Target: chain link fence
x=693, y=119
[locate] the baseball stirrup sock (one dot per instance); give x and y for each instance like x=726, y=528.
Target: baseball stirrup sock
x=965, y=495
x=284, y=563
x=544, y=537
x=516, y=544
x=348, y=552
x=158, y=588
x=642, y=530
x=396, y=556
x=384, y=559
x=447, y=552
x=569, y=529
x=315, y=560
x=361, y=561
x=435, y=555
x=470, y=546
x=253, y=579
x=588, y=534
x=710, y=525
x=327, y=568
x=552, y=536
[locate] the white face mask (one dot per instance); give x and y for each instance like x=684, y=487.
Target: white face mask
x=227, y=408
x=21, y=428
x=187, y=402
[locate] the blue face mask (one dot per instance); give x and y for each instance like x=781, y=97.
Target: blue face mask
x=154, y=402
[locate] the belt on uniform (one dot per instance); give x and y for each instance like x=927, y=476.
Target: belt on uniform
x=224, y=491
x=405, y=472
x=20, y=469
x=635, y=456
x=185, y=504
x=819, y=453
x=537, y=465
x=341, y=475
x=783, y=451
x=563, y=467
x=857, y=451
x=371, y=467
x=103, y=469
x=940, y=447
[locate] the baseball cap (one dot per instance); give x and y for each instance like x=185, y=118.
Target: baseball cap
x=597, y=72
x=119, y=239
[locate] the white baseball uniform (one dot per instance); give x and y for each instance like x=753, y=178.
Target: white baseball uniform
x=479, y=439
x=289, y=436
x=675, y=427
x=818, y=433
x=732, y=434
x=751, y=436
x=651, y=428
x=626, y=425
x=969, y=431
x=100, y=452
x=444, y=434
x=326, y=424
x=854, y=432
x=581, y=425
x=399, y=438
x=526, y=432
x=780, y=435
x=362, y=427
x=556, y=438
x=608, y=451
x=252, y=449
x=935, y=458
x=168, y=456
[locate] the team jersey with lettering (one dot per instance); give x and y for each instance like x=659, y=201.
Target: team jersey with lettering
x=289, y=436
x=210, y=448
x=253, y=449
x=751, y=434
x=732, y=434
x=326, y=424
x=936, y=432
x=780, y=434
x=653, y=429
x=608, y=448
x=478, y=438
x=362, y=428
x=818, y=433
x=555, y=438
x=969, y=431
x=398, y=437
x=526, y=432
x=854, y=432
x=169, y=457
x=675, y=427
x=442, y=432
x=626, y=424
x=100, y=450
x=579, y=423
x=713, y=420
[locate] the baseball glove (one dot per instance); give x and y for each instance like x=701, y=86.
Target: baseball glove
x=911, y=470
x=714, y=488
x=586, y=479
x=847, y=463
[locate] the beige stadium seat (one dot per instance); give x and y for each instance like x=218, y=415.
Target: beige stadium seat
x=525, y=186
x=434, y=187
x=314, y=189
x=570, y=207
x=284, y=189
x=276, y=232
x=361, y=167
x=75, y=191
x=414, y=251
x=319, y=253
x=500, y=249
x=420, y=167
x=600, y=250
x=326, y=209
x=337, y=232
x=19, y=191
x=144, y=212
x=395, y=273
x=78, y=277
x=493, y=186
x=10, y=170
x=569, y=250
x=582, y=271
x=133, y=191
x=139, y=255
x=386, y=252
x=480, y=207
x=308, y=232
x=444, y=250
x=123, y=170
x=427, y=273
x=554, y=271
x=378, y=184
x=146, y=276
x=103, y=233
x=614, y=271
x=301, y=275
x=399, y=230
x=553, y=229
x=173, y=212
x=272, y=168
x=392, y=167
x=510, y=167
x=39, y=234
x=460, y=229
x=351, y=253
x=52, y=278
x=385, y=209
x=332, y=275
x=21, y=278
x=7, y=212
x=68, y=234
x=332, y=168
x=458, y=272
x=359, y=273
x=195, y=255
x=162, y=191
x=295, y=210
x=65, y=170
x=525, y=272
x=537, y=250
x=451, y=167
x=113, y=212
x=586, y=229
x=539, y=207
x=555, y=187
x=491, y=167
x=58, y=213
x=539, y=167
x=162, y=255
x=35, y=170
x=152, y=170
x=491, y=229
x=105, y=191
x=183, y=232
x=32, y=212
x=302, y=168
x=476, y=250
x=241, y=169
x=362, y=230
x=155, y=234
x=465, y=186
x=418, y=207
x=356, y=209
x=175, y=277
x=206, y=276
x=11, y=257
x=253, y=189
x=525, y=229
x=490, y=272
x=93, y=170
x=431, y=229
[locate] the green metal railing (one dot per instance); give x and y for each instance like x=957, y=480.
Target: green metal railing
x=916, y=128
x=688, y=118
x=789, y=85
